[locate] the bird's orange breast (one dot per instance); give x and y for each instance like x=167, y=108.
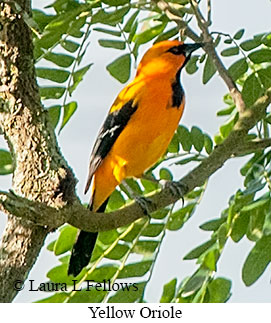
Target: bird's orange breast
x=143, y=141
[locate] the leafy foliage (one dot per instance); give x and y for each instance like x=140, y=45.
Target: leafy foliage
x=122, y=28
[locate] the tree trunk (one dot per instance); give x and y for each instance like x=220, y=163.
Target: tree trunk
x=40, y=172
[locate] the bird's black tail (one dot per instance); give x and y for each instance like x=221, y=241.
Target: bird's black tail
x=83, y=248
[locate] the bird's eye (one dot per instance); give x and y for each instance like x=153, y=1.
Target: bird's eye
x=176, y=50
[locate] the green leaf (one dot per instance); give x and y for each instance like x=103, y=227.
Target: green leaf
x=208, y=144
x=108, y=237
x=118, y=252
x=111, y=18
x=255, y=205
x=261, y=56
x=210, y=259
x=195, y=194
x=6, y=166
x=165, y=174
x=65, y=240
x=56, y=298
x=257, y=260
x=187, y=160
x=48, y=39
x=149, y=34
x=239, y=34
x=117, y=44
x=160, y=214
x=168, y=34
x=185, y=138
x=78, y=77
x=61, y=60
x=239, y=227
x=228, y=41
x=75, y=27
x=256, y=223
x=219, y=290
x=227, y=127
x=222, y=235
x=51, y=246
x=238, y=69
x=218, y=139
x=69, y=110
x=227, y=98
x=208, y=71
x=69, y=45
x=169, y=290
x=195, y=282
x=230, y=51
x=146, y=247
x=191, y=67
x=103, y=272
x=61, y=23
x=54, y=114
x=212, y=225
x=133, y=185
x=63, y=5
x=130, y=294
x=196, y=252
x=59, y=275
x=153, y=230
x=149, y=185
x=252, y=90
x=89, y=295
x=250, y=44
x=116, y=2
x=116, y=201
x=51, y=92
x=227, y=111
x=132, y=35
x=266, y=40
x=173, y=146
x=137, y=269
x=197, y=138
x=178, y=218
x=134, y=232
x=108, y=31
x=52, y=74
x=41, y=18
x=128, y=26
x=265, y=76
x=120, y=68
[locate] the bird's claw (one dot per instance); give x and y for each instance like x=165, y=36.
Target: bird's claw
x=177, y=189
x=145, y=204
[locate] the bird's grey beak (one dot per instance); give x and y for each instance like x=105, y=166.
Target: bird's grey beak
x=190, y=48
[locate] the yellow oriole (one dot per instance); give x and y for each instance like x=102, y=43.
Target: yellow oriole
x=137, y=131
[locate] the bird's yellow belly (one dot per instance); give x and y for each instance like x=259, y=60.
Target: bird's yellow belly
x=144, y=142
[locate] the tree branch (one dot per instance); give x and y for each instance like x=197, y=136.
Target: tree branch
x=252, y=146
x=209, y=46
x=80, y=217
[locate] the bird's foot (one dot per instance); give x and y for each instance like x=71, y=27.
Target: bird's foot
x=145, y=204
x=177, y=189
x=142, y=201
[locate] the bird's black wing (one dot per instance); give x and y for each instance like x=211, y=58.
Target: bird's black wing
x=111, y=129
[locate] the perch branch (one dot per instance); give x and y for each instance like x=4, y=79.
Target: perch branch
x=82, y=218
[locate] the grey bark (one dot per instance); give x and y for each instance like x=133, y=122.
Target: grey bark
x=41, y=174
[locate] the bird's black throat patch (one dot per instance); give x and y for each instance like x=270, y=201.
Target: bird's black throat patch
x=177, y=91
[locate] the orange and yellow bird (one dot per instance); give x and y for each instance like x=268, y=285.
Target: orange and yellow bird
x=136, y=132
